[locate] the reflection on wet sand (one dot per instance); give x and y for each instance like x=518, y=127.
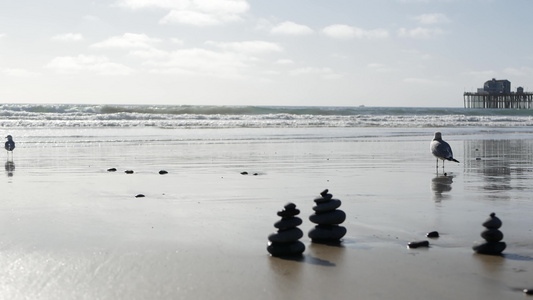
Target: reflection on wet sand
x=502, y=164
x=440, y=185
x=10, y=168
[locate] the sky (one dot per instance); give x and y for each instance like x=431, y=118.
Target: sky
x=408, y=53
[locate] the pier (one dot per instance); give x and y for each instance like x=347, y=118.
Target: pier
x=485, y=100
x=497, y=94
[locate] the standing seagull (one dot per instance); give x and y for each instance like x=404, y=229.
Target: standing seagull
x=441, y=150
x=10, y=144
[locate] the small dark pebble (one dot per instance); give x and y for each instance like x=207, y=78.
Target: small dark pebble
x=478, y=158
x=255, y=174
x=528, y=291
x=433, y=234
x=244, y=173
x=162, y=172
x=418, y=244
x=112, y=170
x=128, y=171
x=139, y=196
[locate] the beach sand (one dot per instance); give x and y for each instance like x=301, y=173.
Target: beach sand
x=72, y=230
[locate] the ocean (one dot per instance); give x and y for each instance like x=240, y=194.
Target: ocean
x=214, y=117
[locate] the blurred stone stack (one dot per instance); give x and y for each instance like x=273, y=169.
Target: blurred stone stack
x=492, y=236
x=327, y=217
x=286, y=242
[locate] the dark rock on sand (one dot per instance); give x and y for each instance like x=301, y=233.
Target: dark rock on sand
x=418, y=244
x=492, y=236
x=163, y=172
x=111, y=170
x=433, y=234
x=244, y=173
x=139, y=196
x=285, y=242
x=288, y=222
x=128, y=171
x=327, y=217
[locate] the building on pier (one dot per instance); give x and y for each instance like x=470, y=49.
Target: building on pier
x=498, y=94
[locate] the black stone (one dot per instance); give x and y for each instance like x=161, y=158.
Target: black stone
x=163, y=172
x=327, y=206
x=492, y=222
x=492, y=236
x=111, y=170
x=433, y=234
x=494, y=248
x=288, y=222
x=286, y=236
x=289, y=211
x=327, y=233
x=244, y=173
x=139, y=196
x=528, y=291
x=128, y=171
x=418, y=244
x=328, y=218
x=286, y=249
x=285, y=242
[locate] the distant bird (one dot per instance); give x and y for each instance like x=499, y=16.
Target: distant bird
x=441, y=150
x=10, y=144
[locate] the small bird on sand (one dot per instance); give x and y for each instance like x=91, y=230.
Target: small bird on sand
x=10, y=144
x=441, y=150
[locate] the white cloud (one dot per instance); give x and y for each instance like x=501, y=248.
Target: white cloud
x=198, y=61
x=191, y=18
x=149, y=53
x=177, y=41
x=432, y=18
x=325, y=73
x=284, y=62
x=128, y=40
x=425, y=81
x=523, y=71
x=291, y=28
x=91, y=18
x=194, y=12
x=485, y=74
x=68, y=37
x=19, y=73
x=341, y=31
x=420, y=32
x=380, y=68
x=87, y=63
x=249, y=47
x=2, y=35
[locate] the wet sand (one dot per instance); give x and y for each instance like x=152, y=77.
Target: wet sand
x=72, y=230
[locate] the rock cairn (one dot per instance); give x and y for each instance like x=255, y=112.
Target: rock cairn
x=492, y=236
x=286, y=242
x=327, y=217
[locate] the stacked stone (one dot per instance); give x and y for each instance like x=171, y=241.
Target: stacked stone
x=492, y=236
x=286, y=242
x=328, y=218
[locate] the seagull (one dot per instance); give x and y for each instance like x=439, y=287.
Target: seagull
x=441, y=150
x=10, y=144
